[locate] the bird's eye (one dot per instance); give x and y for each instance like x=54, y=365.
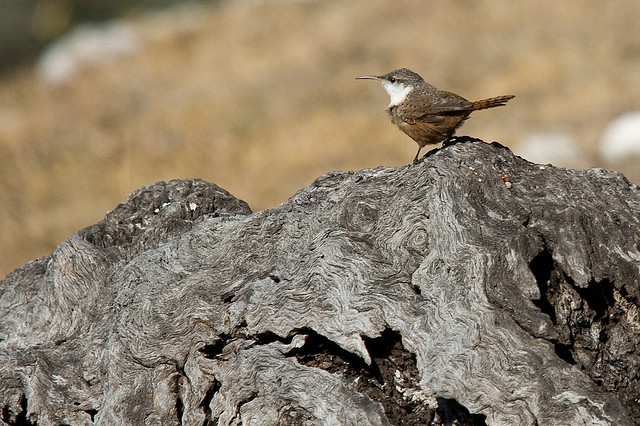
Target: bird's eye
x=392, y=80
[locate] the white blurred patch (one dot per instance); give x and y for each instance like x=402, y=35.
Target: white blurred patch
x=621, y=138
x=86, y=45
x=556, y=148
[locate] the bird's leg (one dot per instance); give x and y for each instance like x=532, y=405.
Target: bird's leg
x=417, y=153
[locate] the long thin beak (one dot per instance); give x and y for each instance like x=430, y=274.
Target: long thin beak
x=368, y=77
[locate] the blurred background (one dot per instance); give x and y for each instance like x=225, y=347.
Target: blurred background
x=98, y=98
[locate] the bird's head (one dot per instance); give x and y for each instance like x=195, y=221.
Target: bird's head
x=398, y=83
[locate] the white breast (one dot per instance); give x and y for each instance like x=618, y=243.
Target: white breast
x=397, y=92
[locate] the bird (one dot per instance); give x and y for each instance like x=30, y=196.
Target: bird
x=425, y=113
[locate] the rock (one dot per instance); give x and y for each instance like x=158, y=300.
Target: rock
x=429, y=293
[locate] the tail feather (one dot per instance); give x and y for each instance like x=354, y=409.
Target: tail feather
x=492, y=102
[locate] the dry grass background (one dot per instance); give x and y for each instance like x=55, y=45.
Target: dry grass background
x=259, y=97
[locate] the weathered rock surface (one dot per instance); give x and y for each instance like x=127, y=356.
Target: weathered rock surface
x=473, y=285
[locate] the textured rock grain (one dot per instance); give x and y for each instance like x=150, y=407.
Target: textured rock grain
x=512, y=289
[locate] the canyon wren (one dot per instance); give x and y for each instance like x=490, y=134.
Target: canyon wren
x=425, y=113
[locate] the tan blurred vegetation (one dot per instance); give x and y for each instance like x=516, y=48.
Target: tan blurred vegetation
x=260, y=98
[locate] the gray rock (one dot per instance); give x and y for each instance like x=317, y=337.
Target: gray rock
x=472, y=286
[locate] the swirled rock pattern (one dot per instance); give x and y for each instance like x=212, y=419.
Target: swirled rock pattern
x=471, y=286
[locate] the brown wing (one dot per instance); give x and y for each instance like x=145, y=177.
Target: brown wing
x=425, y=110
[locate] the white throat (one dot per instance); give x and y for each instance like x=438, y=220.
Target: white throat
x=397, y=93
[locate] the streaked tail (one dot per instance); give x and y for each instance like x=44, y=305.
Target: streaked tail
x=492, y=102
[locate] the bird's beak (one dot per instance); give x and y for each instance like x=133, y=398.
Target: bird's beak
x=368, y=77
